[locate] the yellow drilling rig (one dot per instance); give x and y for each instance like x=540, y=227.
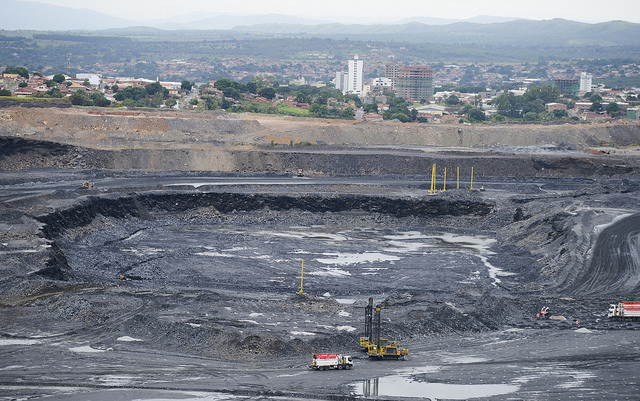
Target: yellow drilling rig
x=376, y=346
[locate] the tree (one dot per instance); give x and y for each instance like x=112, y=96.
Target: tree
x=99, y=100
x=356, y=99
x=157, y=99
x=79, y=98
x=155, y=88
x=508, y=104
x=613, y=109
x=370, y=107
x=5, y=92
x=452, y=100
x=55, y=92
x=530, y=116
x=302, y=98
x=251, y=87
x=135, y=93
x=557, y=113
x=223, y=83
x=186, y=85
x=58, y=78
x=398, y=109
x=596, y=106
x=210, y=103
x=268, y=93
x=23, y=72
x=171, y=102
x=497, y=118
x=233, y=93
x=595, y=98
x=414, y=114
x=546, y=93
x=22, y=84
x=477, y=115
x=348, y=114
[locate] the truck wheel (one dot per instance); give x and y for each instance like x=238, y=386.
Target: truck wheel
x=339, y=367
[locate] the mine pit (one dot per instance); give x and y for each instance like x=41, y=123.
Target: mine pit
x=177, y=272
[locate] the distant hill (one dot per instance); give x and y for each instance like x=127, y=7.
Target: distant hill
x=480, y=19
x=555, y=32
x=218, y=22
x=39, y=16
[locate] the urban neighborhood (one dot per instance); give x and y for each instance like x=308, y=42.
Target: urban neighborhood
x=438, y=94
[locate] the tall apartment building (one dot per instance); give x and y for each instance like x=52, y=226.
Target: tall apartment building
x=391, y=72
x=341, y=80
x=567, y=86
x=412, y=83
x=355, y=74
x=585, y=82
x=352, y=80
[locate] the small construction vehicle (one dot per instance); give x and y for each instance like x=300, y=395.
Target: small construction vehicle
x=331, y=361
x=376, y=346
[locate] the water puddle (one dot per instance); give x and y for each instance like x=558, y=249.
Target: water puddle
x=400, y=386
x=18, y=341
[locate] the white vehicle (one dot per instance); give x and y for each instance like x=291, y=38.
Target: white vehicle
x=625, y=309
x=331, y=361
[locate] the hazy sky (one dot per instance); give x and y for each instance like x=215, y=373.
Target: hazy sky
x=364, y=11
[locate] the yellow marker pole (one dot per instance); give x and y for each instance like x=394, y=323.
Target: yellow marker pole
x=301, y=277
x=458, y=177
x=444, y=187
x=471, y=188
x=433, y=179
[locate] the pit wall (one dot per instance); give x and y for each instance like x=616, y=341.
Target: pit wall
x=114, y=129
x=20, y=154
x=142, y=205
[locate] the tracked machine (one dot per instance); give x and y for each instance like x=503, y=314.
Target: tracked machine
x=376, y=346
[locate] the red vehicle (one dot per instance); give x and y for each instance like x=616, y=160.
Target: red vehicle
x=625, y=309
x=331, y=361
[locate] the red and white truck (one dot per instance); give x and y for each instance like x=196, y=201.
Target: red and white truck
x=331, y=361
x=625, y=309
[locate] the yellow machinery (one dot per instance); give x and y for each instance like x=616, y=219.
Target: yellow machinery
x=376, y=346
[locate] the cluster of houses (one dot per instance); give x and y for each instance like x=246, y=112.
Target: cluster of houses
x=41, y=84
x=37, y=84
x=434, y=112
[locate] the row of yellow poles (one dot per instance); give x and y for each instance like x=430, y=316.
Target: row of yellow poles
x=444, y=187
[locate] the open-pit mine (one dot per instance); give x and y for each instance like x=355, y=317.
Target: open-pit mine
x=172, y=255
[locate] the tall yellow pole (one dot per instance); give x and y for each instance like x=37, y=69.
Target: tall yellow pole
x=433, y=179
x=301, y=276
x=458, y=178
x=444, y=187
x=471, y=179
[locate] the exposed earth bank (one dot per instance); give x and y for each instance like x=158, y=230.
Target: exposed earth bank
x=145, y=252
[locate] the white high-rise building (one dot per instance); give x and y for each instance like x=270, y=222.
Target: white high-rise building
x=354, y=76
x=341, y=80
x=585, y=82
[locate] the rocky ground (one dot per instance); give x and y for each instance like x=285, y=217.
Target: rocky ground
x=168, y=281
